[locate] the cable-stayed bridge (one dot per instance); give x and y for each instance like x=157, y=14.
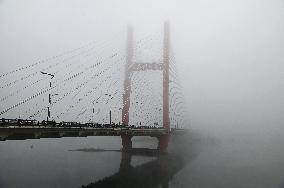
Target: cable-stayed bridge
x=101, y=88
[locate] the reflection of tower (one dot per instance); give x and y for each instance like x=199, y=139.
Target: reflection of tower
x=131, y=67
x=125, y=163
x=153, y=174
x=160, y=168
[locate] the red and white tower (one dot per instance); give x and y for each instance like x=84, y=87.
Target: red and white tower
x=130, y=67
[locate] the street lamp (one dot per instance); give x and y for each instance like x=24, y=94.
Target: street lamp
x=111, y=97
x=49, y=96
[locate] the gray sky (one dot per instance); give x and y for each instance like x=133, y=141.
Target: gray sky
x=229, y=53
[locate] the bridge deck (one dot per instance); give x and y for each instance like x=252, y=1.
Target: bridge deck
x=11, y=129
x=21, y=133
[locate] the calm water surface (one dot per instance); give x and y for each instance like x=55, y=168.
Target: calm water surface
x=49, y=163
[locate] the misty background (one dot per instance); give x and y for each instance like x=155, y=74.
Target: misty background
x=229, y=54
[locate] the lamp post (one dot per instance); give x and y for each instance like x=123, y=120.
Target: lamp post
x=111, y=97
x=49, y=95
x=110, y=117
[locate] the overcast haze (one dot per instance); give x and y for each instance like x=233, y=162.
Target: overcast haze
x=229, y=53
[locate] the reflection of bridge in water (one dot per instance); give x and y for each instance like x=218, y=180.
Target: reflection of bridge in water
x=153, y=174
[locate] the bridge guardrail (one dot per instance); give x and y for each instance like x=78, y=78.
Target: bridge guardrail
x=21, y=123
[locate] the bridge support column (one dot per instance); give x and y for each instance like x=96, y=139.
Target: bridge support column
x=163, y=142
x=126, y=142
x=166, y=76
x=127, y=79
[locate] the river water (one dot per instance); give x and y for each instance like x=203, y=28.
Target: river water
x=49, y=163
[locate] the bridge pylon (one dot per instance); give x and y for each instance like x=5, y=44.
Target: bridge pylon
x=131, y=67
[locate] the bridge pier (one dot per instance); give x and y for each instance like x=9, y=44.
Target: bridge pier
x=126, y=142
x=163, y=142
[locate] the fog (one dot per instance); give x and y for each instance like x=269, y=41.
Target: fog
x=229, y=54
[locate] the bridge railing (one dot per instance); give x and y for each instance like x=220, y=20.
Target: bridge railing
x=22, y=123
